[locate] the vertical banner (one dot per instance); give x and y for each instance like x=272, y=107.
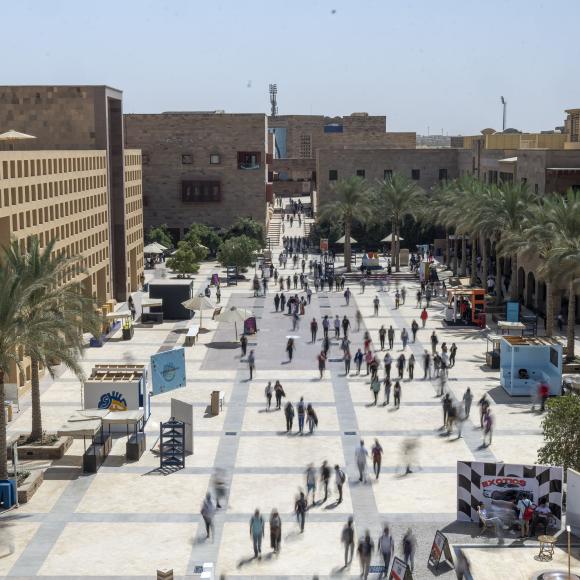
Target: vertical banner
x=168, y=370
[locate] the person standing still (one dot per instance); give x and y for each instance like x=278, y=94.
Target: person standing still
x=347, y=357
x=382, y=335
x=251, y=364
x=313, y=329
x=337, y=327
x=397, y=394
x=325, y=478
x=391, y=337
x=376, y=303
x=244, y=344
x=257, y=533
x=289, y=414
x=411, y=366
x=339, y=478
x=347, y=538
x=361, y=455
x=377, y=454
x=467, y=400
x=268, y=392
x=375, y=388
x=358, y=320
x=452, y=354
x=301, y=415
x=322, y=363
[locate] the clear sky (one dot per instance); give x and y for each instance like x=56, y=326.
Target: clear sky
x=441, y=64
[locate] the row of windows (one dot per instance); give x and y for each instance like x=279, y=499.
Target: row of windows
x=133, y=175
x=132, y=159
x=133, y=190
x=387, y=174
x=246, y=159
x=135, y=236
x=33, y=167
x=32, y=218
x=34, y=192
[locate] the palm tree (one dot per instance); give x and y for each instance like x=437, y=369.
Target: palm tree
x=563, y=259
x=59, y=313
x=351, y=203
x=14, y=334
x=503, y=211
x=398, y=197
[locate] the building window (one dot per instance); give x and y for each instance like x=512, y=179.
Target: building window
x=443, y=174
x=305, y=146
x=200, y=191
x=248, y=160
x=387, y=174
x=360, y=173
x=214, y=159
x=187, y=159
x=415, y=174
x=332, y=174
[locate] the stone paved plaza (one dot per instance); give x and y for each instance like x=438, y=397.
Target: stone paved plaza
x=128, y=520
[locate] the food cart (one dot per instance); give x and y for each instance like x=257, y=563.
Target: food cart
x=126, y=319
x=465, y=306
x=527, y=361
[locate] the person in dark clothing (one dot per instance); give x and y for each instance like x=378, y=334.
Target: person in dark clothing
x=277, y=302
x=382, y=335
x=325, y=478
x=314, y=329
x=279, y=393
x=244, y=344
x=391, y=337
x=289, y=414
x=300, y=508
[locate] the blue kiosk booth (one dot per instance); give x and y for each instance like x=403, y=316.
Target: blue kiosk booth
x=527, y=361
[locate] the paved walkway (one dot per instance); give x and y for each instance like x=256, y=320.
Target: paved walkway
x=127, y=521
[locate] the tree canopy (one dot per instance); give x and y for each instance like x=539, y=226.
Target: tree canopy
x=238, y=251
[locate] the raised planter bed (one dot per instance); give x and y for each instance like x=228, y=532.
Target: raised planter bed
x=49, y=452
x=28, y=488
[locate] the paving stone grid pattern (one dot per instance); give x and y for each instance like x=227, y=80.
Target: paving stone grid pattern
x=128, y=520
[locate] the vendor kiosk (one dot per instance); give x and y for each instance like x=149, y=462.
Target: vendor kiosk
x=493, y=351
x=465, y=306
x=526, y=362
x=126, y=319
x=117, y=388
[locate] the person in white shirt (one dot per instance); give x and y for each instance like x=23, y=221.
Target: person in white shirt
x=361, y=455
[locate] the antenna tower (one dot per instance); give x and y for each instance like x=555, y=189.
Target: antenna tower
x=273, y=101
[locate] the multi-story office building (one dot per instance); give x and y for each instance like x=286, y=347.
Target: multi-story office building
x=73, y=183
x=71, y=121
x=207, y=167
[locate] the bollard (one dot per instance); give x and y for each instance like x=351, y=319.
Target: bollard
x=164, y=574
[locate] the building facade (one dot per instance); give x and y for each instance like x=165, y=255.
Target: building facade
x=425, y=166
x=89, y=119
x=206, y=167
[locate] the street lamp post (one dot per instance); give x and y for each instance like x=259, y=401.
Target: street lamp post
x=504, y=103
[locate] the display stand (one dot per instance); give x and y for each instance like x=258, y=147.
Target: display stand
x=440, y=550
x=172, y=444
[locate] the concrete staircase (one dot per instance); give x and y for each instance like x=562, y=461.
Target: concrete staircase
x=275, y=230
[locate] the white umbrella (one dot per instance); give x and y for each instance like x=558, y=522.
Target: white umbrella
x=12, y=136
x=235, y=315
x=152, y=249
x=342, y=240
x=389, y=238
x=198, y=303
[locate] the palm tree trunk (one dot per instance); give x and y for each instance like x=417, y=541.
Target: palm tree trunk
x=3, y=450
x=463, y=255
x=571, y=321
x=498, y=281
x=398, y=249
x=347, y=252
x=455, y=256
x=514, y=291
x=473, y=260
x=549, y=309
x=484, y=271
x=447, y=247
x=36, y=432
x=393, y=241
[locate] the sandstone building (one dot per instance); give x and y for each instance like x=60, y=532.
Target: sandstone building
x=208, y=167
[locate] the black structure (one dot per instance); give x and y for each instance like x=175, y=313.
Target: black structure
x=172, y=444
x=232, y=275
x=173, y=292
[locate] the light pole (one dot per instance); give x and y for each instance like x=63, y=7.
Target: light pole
x=504, y=103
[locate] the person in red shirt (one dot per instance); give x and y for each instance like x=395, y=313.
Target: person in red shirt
x=424, y=316
x=544, y=392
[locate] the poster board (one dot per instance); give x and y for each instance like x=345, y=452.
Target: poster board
x=182, y=411
x=479, y=482
x=573, y=501
x=114, y=396
x=168, y=370
x=399, y=570
x=512, y=312
x=440, y=548
x=324, y=245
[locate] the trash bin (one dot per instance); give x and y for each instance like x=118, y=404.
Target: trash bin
x=215, y=403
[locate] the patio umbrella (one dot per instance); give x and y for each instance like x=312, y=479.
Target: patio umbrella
x=12, y=136
x=389, y=238
x=152, y=249
x=342, y=240
x=235, y=315
x=198, y=303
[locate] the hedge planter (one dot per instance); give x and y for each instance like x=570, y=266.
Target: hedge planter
x=49, y=452
x=28, y=488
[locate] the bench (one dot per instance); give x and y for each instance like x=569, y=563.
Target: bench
x=191, y=335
